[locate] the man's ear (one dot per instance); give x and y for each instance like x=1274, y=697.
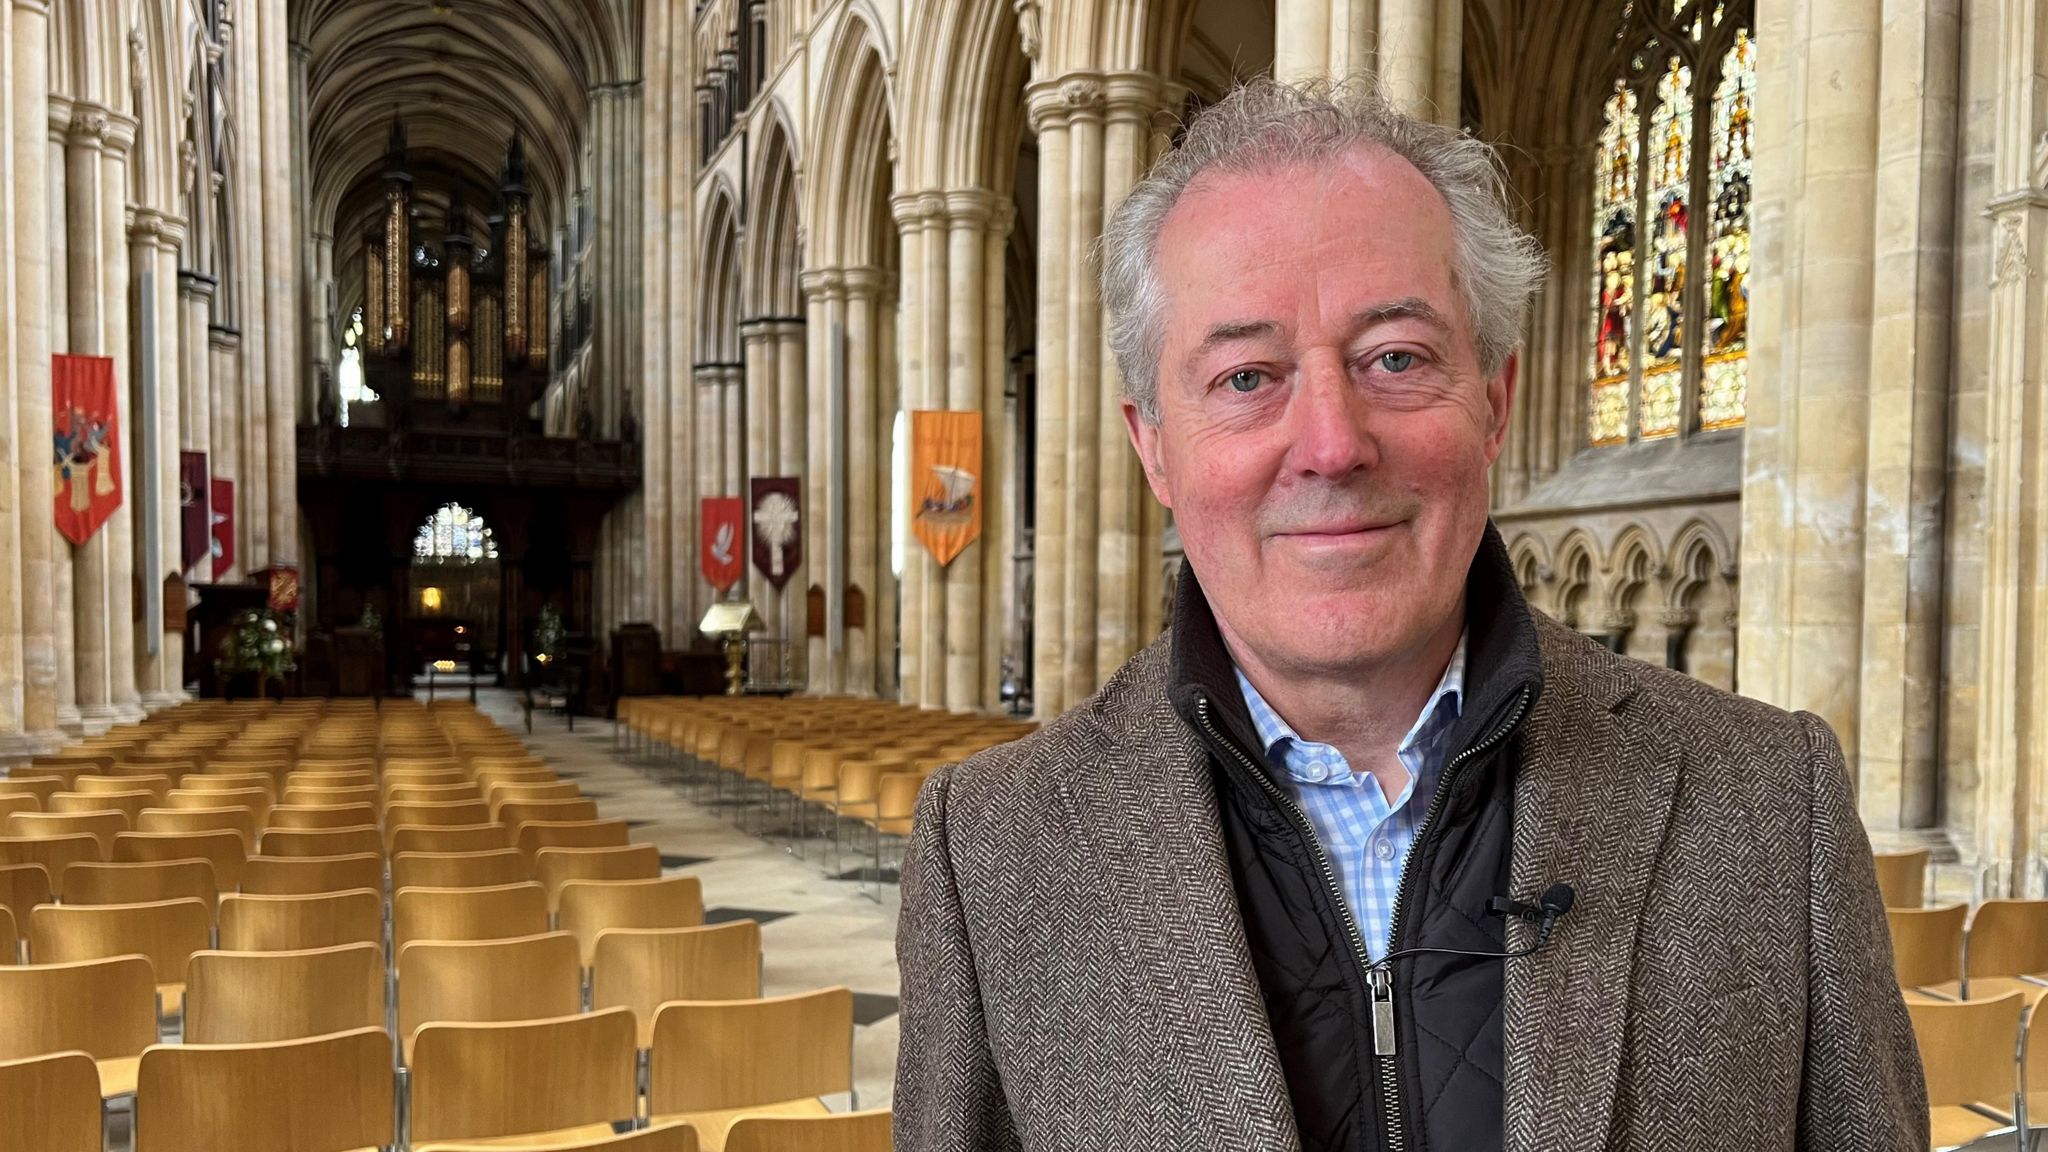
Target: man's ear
x=1500, y=402
x=1145, y=439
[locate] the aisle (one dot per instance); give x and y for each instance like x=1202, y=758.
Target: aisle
x=815, y=932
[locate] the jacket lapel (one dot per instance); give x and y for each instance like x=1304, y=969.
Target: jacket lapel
x=1150, y=811
x=1591, y=804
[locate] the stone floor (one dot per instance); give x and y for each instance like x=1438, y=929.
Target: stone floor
x=817, y=930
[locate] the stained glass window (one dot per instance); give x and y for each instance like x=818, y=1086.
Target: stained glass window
x=454, y=535
x=1661, y=343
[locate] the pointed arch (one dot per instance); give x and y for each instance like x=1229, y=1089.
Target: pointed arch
x=853, y=152
x=718, y=313
x=963, y=80
x=774, y=256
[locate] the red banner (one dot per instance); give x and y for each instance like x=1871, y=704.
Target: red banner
x=722, y=543
x=221, y=514
x=195, y=529
x=88, y=443
x=945, y=481
x=778, y=527
x=284, y=588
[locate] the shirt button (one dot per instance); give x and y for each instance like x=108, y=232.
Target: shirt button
x=1383, y=848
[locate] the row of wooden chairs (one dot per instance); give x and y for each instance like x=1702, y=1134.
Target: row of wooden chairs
x=1954, y=953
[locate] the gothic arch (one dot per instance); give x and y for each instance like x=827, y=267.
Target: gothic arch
x=1699, y=555
x=718, y=314
x=774, y=255
x=853, y=152
x=963, y=76
x=1635, y=563
x=1577, y=566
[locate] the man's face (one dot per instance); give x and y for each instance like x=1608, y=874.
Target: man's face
x=1325, y=430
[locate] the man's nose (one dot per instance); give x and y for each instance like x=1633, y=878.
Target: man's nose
x=1330, y=431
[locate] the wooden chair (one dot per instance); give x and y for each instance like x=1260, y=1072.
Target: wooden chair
x=535, y=835
x=293, y=923
x=844, y=1132
x=257, y=997
x=449, y=815
x=349, y=841
x=643, y=968
x=53, y=855
x=660, y=1138
x=45, y=1014
x=554, y=867
x=52, y=1104
x=311, y=875
x=573, y=1076
x=458, y=869
x=513, y=813
x=505, y=791
x=466, y=838
x=468, y=913
x=325, y=1094
x=2005, y=940
x=223, y=848
x=715, y=1060
x=256, y=800
x=90, y=882
x=40, y=787
x=194, y=821
x=462, y=792
x=1967, y=1051
x=102, y=825
x=22, y=887
x=587, y=907
x=10, y=804
x=1927, y=944
x=475, y=981
x=301, y=818
x=233, y=782
x=363, y=778
x=164, y=932
x=330, y=797
x=129, y=803
x=1902, y=877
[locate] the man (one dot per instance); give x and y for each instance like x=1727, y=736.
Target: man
x=1257, y=893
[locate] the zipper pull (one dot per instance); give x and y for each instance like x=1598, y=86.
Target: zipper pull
x=1382, y=982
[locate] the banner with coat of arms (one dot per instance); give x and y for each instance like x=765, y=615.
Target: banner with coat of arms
x=945, y=481
x=87, y=455
x=722, y=540
x=778, y=527
x=221, y=519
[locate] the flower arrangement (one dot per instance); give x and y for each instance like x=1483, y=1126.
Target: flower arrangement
x=549, y=635
x=259, y=643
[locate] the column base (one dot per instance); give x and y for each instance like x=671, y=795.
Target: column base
x=21, y=747
x=1935, y=840
x=94, y=719
x=130, y=712
x=68, y=721
x=158, y=701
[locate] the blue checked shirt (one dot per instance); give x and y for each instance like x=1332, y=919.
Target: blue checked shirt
x=1366, y=836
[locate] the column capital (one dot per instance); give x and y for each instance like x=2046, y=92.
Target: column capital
x=1132, y=96
x=1676, y=619
x=60, y=117
x=196, y=285
x=151, y=226
x=864, y=282
x=917, y=210
x=223, y=339
x=33, y=7
x=823, y=283
x=968, y=206
x=1064, y=98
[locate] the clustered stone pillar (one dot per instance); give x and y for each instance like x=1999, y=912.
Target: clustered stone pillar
x=823, y=485
x=154, y=243
x=1415, y=48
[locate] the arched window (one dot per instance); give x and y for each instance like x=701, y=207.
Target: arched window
x=349, y=376
x=454, y=535
x=1670, y=224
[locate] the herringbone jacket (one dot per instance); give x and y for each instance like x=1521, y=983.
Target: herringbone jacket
x=1076, y=976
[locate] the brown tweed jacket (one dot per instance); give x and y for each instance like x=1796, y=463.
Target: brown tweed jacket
x=1075, y=973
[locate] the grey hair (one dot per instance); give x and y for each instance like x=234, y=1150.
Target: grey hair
x=1265, y=124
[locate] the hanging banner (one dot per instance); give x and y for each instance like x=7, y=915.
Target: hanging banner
x=87, y=459
x=945, y=481
x=722, y=544
x=221, y=515
x=778, y=527
x=194, y=505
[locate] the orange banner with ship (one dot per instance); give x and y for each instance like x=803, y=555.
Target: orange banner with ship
x=945, y=481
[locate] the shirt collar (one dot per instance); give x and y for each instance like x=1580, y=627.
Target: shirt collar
x=1449, y=694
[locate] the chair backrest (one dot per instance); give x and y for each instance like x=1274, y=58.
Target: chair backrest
x=1927, y=943
x=165, y=932
x=256, y=800
x=223, y=848
x=477, y=1081
x=458, y=869
x=22, y=887
x=452, y=814
x=466, y=838
x=232, y=782
x=843, y=1132
x=325, y=1094
x=361, y=794
x=460, y=792
x=644, y=968
x=130, y=804
x=45, y=1015
x=305, y=818
x=737, y=1053
x=587, y=907
x=50, y=1104
x=2007, y=938
x=323, y=841
x=308, y=875
x=503, y=791
x=90, y=882
x=53, y=855
x=513, y=813
x=40, y=787
x=1967, y=1049
x=11, y=803
x=468, y=913
x=1902, y=877
x=672, y=1137
x=318, y=779
x=254, y=997
x=103, y=826
x=473, y=981
x=554, y=867
x=535, y=835
x=291, y=923
x=191, y=821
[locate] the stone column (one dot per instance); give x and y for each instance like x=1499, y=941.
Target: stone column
x=252, y=486
x=968, y=218
x=1056, y=210
x=1408, y=54
x=121, y=531
x=883, y=608
x=41, y=675
x=916, y=614
x=224, y=382
x=1083, y=95
x=319, y=320
x=792, y=398
x=92, y=609
x=154, y=241
x=999, y=466
x=62, y=562
x=731, y=381
x=1323, y=38
x=281, y=288
x=1809, y=398
x=1415, y=46
x=758, y=424
x=867, y=463
x=15, y=442
x=1905, y=496
x=820, y=482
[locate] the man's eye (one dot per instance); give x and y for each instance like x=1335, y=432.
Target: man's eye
x=1397, y=361
x=1244, y=379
